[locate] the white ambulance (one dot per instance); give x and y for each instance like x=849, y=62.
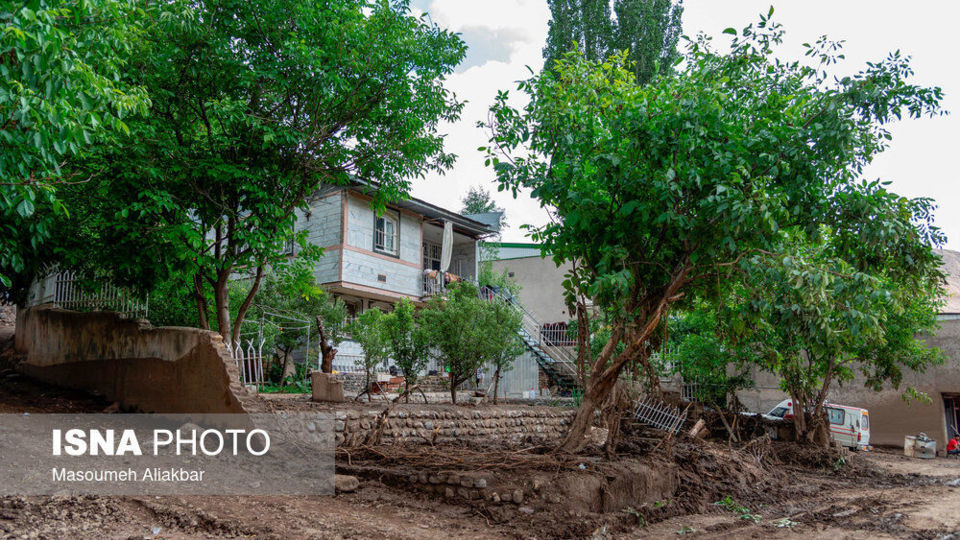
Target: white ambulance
x=849, y=426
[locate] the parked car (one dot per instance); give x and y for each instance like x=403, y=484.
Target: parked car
x=849, y=426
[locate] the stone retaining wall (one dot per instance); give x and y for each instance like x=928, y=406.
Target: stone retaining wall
x=353, y=382
x=434, y=424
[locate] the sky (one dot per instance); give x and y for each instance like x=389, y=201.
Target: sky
x=506, y=38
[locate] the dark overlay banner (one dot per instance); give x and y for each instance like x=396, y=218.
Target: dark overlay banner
x=283, y=453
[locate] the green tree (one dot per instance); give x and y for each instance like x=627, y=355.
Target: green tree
x=697, y=351
x=584, y=24
x=819, y=314
x=647, y=29
x=657, y=188
x=408, y=339
x=467, y=332
x=59, y=94
x=504, y=338
x=255, y=106
x=369, y=330
x=478, y=201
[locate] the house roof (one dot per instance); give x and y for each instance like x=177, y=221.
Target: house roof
x=461, y=223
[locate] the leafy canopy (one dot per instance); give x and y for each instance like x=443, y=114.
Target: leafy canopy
x=648, y=30
x=657, y=189
x=467, y=332
x=408, y=339
x=59, y=94
x=256, y=105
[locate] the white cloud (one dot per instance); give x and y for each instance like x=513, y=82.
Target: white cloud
x=920, y=161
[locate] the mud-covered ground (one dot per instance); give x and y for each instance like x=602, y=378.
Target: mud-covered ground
x=769, y=492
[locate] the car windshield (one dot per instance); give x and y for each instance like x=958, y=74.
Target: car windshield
x=778, y=412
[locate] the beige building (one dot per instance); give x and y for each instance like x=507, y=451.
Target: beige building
x=891, y=416
x=540, y=279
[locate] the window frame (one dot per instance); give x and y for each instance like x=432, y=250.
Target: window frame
x=426, y=256
x=843, y=415
x=395, y=218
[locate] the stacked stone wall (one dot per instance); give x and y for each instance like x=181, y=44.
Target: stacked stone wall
x=413, y=424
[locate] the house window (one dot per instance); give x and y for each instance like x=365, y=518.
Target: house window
x=431, y=256
x=386, y=238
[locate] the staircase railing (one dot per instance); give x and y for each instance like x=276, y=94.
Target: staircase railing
x=531, y=331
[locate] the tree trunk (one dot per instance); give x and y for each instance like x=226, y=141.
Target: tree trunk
x=284, y=367
x=453, y=390
x=583, y=342
x=221, y=297
x=242, y=311
x=201, y=301
x=496, y=384
x=327, y=351
x=576, y=437
x=366, y=382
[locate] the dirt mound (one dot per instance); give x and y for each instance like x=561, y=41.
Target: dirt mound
x=555, y=494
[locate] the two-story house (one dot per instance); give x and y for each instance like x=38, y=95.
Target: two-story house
x=375, y=260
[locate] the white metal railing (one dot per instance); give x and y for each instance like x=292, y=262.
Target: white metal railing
x=658, y=414
x=108, y=297
x=432, y=283
x=556, y=334
x=249, y=361
x=690, y=391
x=531, y=330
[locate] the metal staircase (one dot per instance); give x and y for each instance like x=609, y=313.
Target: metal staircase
x=557, y=362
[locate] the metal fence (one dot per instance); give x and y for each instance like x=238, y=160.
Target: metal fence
x=556, y=334
x=105, y=297
x=658, y=414
x=249, y=361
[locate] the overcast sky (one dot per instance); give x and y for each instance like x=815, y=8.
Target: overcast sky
x=506, y=36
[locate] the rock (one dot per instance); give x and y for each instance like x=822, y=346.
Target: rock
x=466, y=481
x=517, y=496
x=480, y=483
x=112, y=408
x=449, y=493
x=525, y=510
x=189, y=426
x=495, y=498
x=345, y=483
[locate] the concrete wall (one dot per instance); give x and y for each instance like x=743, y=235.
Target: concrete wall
x=463, y=260
x=891, y=418
x=523, y=376
x=541, y=291
x=360, y=227
x=363, y=267
x=164, y=370
x=324, y=220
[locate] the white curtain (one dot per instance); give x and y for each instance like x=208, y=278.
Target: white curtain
x=446, y=249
